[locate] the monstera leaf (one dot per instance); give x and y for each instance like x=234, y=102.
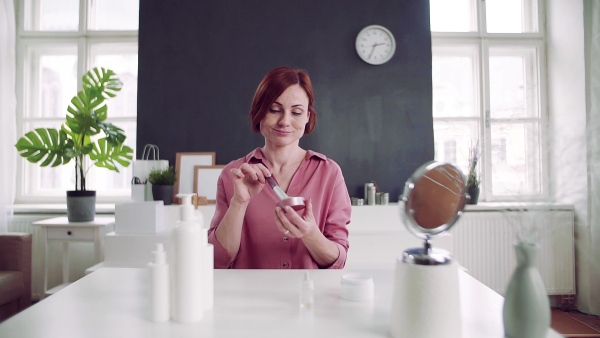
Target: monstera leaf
x=114, y=134
x=88, y=108
x=105, y=155
x=46, y=144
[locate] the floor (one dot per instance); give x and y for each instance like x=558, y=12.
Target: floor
x=574, y=324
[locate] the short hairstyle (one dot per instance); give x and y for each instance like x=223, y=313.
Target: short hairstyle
x=272, y=86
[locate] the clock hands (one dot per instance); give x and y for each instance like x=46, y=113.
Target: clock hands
x=374, y=46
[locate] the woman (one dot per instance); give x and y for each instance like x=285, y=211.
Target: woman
x=248, y=230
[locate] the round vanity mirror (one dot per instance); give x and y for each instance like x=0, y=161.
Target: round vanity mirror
x=433, y=200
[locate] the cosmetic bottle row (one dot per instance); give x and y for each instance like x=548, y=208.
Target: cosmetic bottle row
x=182, y=288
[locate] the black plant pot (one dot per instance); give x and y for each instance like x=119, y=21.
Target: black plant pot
x=81, y=205
x=474, y=195
x=163, y=193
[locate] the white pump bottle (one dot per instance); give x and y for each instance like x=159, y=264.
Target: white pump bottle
x=188, y=243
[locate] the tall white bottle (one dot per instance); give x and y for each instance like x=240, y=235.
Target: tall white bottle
x=188, y=243
x=208, y=264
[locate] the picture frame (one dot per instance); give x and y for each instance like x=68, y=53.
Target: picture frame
x=205, y=181
x=184, y=169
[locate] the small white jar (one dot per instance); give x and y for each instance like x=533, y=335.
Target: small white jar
x=357, y=287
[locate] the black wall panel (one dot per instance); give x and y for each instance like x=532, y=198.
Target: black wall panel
x=200, y=63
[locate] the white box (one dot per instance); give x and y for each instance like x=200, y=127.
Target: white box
x=133, y=250
x=139, y=217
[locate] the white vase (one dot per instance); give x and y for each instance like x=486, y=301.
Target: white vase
x=526, y=312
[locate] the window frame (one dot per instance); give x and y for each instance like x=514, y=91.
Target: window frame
x=483, y=41
x=84, y=39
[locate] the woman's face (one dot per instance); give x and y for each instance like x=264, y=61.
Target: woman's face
x=286, y=119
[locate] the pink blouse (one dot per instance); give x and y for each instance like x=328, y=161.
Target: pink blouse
x=262, y=245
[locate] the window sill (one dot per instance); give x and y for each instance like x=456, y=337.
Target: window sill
x=109, y=208
x=517, y=206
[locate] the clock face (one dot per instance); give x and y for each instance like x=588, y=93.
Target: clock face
x=375, y=45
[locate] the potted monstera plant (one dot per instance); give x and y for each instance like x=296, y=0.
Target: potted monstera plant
x=85, y=137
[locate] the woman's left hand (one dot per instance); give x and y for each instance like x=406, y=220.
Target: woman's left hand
x=292, y=224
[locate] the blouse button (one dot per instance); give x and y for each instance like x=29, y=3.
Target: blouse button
x=285, y=239
x=286, y=265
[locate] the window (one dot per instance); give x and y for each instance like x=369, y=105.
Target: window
x=489, y=85
x=57, y=42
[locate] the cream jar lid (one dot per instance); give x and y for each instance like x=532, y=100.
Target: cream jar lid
x=357, y=287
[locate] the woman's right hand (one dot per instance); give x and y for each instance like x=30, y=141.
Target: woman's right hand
x=248, y=180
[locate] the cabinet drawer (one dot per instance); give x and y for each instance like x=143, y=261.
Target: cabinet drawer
x=71, y=233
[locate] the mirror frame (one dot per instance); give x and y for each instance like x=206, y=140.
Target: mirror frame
x=408, y=214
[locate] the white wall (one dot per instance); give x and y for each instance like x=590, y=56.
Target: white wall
x=568, y=130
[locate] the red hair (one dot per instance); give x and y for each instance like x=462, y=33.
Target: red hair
x=272, y=86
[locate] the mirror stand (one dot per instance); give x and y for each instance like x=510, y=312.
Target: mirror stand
x=426, y=300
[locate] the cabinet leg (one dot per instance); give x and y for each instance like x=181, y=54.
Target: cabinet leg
x=65, y=261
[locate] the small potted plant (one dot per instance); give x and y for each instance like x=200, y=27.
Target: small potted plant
x=86, y=138
x=163, y=183
x=473, y=178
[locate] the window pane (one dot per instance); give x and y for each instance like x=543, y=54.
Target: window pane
x=514, y=85
x=511, y=16
x=52, y=81
x=516, y=159
x=52, y=15
x=123, y=60
x=453, y=139
x=103, y=15
x=453, y=15
x=454, y=76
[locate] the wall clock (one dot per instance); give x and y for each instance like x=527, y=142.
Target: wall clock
x=375, y=44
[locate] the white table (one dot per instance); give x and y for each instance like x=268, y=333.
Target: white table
x=61, y=230
x=113, y=302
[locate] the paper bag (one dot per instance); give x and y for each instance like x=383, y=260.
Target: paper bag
x=150, y=161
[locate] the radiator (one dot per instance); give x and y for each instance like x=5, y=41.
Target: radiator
x=81, y=255
x=483, y=244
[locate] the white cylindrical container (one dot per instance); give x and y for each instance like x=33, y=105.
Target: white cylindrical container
x=208, y=279
x=208, y=264
x=426, y=301
x=357, y=287
x=188, y=249
x=159, y=285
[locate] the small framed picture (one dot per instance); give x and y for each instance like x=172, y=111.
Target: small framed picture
x=184, y=169
x=205, y=181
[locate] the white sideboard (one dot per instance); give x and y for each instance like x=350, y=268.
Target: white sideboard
x=481, y=241
x=376, y=235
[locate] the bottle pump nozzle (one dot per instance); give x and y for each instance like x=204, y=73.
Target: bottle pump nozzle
x=186, y=198
x=159, y=254
x=187, y=209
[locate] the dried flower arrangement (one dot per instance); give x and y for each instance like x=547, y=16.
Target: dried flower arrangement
x=473, y=178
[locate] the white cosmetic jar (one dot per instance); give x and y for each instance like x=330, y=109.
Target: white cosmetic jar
x=357, y=287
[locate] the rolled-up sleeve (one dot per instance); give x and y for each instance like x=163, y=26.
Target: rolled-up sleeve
x=222, y=258
x=337, y=220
